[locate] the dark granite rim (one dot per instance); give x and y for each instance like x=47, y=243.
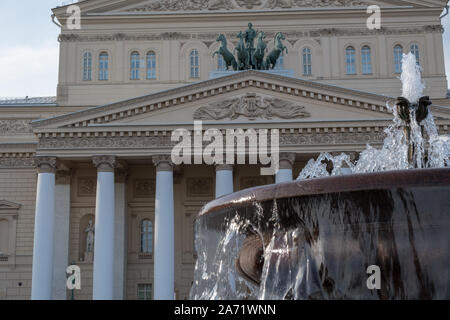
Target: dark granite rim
x=347, y=183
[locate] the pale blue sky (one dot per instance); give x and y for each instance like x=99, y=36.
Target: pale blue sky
x=29, y=48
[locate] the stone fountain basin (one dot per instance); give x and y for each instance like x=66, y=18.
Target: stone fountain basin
x=398, y=221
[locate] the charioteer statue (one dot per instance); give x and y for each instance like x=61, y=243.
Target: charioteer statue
x=248, y=56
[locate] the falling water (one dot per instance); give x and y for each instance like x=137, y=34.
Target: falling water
x=319, y=246
x=393, y=155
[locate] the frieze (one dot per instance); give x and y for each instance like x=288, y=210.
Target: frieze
x=290, y=35
x=17, y=162
x=199, y=187
x=211, y=5
x=15, y=127
x=156, y=143
x=86, y=186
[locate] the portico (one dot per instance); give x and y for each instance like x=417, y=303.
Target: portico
x=119, y=174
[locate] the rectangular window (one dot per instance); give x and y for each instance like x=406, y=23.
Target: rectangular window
x=87, y=67
x=151, y=66
x=307, y=62
x=103, y=67
x=366, y=60
x=351, y=60
x=145, y=291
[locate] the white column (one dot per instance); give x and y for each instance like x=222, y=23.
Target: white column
x=104, y=229
x=61, y=238
x=284, y=174
x=42, y=273
x=164, y=265
x=224, y=180
x=120, y=236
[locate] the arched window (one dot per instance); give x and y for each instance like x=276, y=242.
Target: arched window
x=307, y=62
x=366, y=59
x=415, y=51
x=398, y=56
x=146, y=236
x=350, y=60
x=103, y=66
x=87, y=66
x=280, y=63
x=135, y=65
x=151, y=65
x=195, y=64
x=221, y=66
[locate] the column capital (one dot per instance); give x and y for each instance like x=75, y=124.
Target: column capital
x=222, y=167
x=163, y=162
x=63, y=176
x=104, y=163
x=287, y=160
x=121, y=175
x=45, y=164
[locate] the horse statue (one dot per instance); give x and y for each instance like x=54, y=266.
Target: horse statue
x=278, y=50
x=225, y=53
x=242, y=53
x=258, y=56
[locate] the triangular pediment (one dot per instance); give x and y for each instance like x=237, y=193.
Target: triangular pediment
x=162, y=6
x=275, y=98
x=249, y=96
x=7, y=205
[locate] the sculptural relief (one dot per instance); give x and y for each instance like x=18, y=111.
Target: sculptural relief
x=252, y=107
x=202, y=5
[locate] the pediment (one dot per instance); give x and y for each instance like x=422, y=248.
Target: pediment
x=275, y=98
x=162, y=6
x=256, y=107
x=8, y=206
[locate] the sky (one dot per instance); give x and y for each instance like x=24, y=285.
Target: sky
x=29, y=48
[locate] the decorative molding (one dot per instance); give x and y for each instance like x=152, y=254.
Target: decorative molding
x=86, y=187
x=199, y=187
x=8, y=207
x=290, y=35
x=251, y=106
x=206, y=89
x=287, y=160
x=144, y=188
x=10, y=127
x=163, y=162
x=45, y=164
x=288, y=138
x=212, y=5
x=104, y=163
x=16, y=162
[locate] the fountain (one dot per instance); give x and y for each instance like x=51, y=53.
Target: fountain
x=378, y=233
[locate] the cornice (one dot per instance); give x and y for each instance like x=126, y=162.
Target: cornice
x=115, y=7
x=202, y=90
x=290, y=35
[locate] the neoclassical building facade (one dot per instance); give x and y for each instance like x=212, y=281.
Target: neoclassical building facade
x=93, y=163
